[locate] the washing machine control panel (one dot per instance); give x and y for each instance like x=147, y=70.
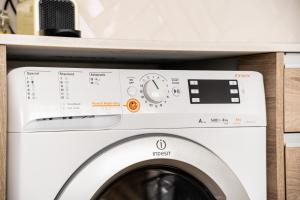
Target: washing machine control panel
x=104, y=97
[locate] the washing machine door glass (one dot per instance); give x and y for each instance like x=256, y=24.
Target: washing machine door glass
x=156, y=184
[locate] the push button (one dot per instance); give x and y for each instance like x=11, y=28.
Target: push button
x=193, y=82
x=194, y=91
x=132, y=91
x=133, y=105
x=232, y=82
x=176, y=91
x=234, y=91
x=235, y=100
x=196, y=100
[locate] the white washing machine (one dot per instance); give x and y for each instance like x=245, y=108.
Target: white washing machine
x=109, y=134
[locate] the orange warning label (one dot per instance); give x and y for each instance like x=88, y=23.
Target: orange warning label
x=105, y=104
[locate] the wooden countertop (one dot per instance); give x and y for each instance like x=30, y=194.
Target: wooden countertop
x=39, y=46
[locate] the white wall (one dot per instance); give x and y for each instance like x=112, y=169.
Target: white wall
x=192, y=20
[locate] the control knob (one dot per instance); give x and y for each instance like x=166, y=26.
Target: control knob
x=155, y=90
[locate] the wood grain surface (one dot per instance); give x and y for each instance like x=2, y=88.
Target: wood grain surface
x=292, y=100
x=292, y=156
x=271, y=66
x=3, y=122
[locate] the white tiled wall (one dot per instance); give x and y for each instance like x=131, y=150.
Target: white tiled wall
x=192, y=20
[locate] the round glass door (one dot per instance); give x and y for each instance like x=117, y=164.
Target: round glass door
x=156, y=183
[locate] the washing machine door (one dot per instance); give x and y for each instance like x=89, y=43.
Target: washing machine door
x=154, y=167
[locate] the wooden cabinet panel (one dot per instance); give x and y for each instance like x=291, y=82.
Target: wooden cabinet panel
x=3, y=122
x=271, y=66
x=292, y=100
x=292, y=157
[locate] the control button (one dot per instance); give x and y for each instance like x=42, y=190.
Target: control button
x=194, y=91
x=133, y=105
x=132, y=91
x=234, y=91
x=193, y=82
x=232, y=82
x=195, y=100
x=176, y=91
x=235, y=100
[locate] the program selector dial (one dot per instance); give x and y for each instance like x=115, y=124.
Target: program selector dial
x=155, y=89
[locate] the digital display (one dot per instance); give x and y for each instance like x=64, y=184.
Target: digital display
x=214, y=91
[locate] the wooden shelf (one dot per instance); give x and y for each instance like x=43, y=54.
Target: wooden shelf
x=42, y=46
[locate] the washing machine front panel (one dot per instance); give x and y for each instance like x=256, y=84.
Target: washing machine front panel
x=201, y=167
x=47, y=171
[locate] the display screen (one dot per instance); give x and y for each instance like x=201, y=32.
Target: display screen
x=214, y=91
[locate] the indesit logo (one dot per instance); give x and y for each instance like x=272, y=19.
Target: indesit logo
x=161, y=144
